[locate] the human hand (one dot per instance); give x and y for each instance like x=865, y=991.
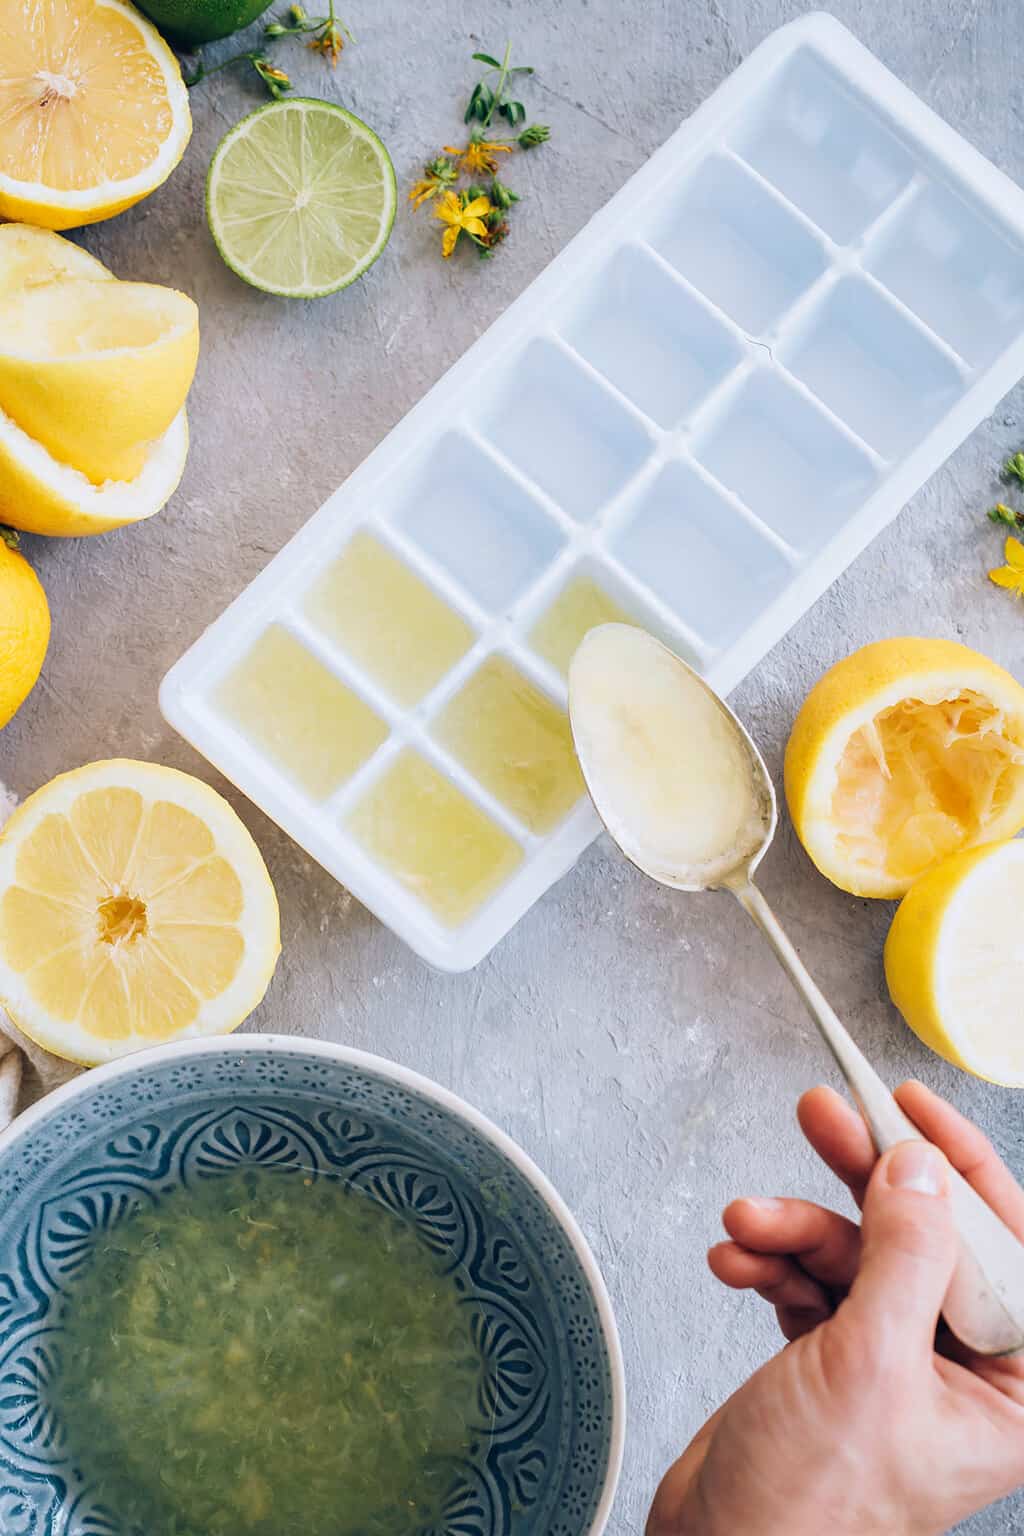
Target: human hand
x=874, y=1421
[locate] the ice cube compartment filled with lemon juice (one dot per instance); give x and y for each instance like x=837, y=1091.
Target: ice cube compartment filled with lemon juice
x=437, y=759
x=732, y=378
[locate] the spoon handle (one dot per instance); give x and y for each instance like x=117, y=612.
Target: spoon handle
x=984, y=1305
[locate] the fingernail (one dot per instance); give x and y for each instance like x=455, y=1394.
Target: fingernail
x=917, y=1165
x=764, y=1202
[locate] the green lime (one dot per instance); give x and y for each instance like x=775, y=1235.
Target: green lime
x=300, y=198
x=191, y=22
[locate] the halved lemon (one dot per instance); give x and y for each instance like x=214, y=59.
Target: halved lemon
x=38, y=494
x=906, y=752
x=955, y=964
x=134, y=908
x=96, y=371
x=93, y=110
x=31, y=257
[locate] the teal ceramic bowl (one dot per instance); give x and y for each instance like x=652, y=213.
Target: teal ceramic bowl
x=551, y=1384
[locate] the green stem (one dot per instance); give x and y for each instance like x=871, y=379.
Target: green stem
x=202, y=70
x=502, y=77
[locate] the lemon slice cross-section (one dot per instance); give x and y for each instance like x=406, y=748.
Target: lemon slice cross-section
x=134, y=908
x=93, y=110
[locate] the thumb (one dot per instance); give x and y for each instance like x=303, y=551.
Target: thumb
x=908, y=1244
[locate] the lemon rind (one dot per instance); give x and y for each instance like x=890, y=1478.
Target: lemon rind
x=72, y=497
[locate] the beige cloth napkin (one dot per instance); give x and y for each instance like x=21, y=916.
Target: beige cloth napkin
x=26, y=1071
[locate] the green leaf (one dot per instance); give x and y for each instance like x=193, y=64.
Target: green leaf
x=485, y=58
x=521, y=69
x=480, y=103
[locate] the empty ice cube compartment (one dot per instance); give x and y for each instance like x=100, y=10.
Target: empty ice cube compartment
x=512, y=738
x=557, y=425
x=952, y=265
x=738, y=244
x=873, y=367
x=580, y=606
x=820, y=143
x=785, y=460
x=475, y=521
x=697, y=552
x=376, y=609
x=647, y=333
x=307, y=723
x=431, y=838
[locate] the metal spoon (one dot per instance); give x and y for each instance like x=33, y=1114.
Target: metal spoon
x=984, y=1305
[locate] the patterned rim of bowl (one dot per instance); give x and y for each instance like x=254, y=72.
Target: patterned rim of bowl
x=135, y=1065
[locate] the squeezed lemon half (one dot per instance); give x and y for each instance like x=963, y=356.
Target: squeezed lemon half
x=134, y=908
x=906, y=752
x=31, y=257
x=96, y=371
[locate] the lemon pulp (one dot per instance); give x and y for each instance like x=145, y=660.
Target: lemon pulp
x=58, y=82
x=388, y=620
x=93, y=110
x=432, y=839
x=123, y=916
x=921, y=780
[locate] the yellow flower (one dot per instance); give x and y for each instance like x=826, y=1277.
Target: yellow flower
x=480, y=156
x=1011, y=574
x=437, y=175
x=329, y=42
x=470, y=218
x=423, y=190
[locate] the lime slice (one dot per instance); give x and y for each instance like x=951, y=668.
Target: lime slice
x=300, y=198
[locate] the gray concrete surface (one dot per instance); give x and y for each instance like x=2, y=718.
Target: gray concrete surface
x=643, y=1047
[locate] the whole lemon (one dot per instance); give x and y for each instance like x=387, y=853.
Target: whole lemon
x=24, y=627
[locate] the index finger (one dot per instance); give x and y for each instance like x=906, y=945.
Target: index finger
x=968, y=1149
x=840, y=1138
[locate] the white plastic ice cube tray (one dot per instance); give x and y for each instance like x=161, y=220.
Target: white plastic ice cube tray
x=723, y=388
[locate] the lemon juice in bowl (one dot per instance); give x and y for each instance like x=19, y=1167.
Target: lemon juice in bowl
x=270, y=1353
